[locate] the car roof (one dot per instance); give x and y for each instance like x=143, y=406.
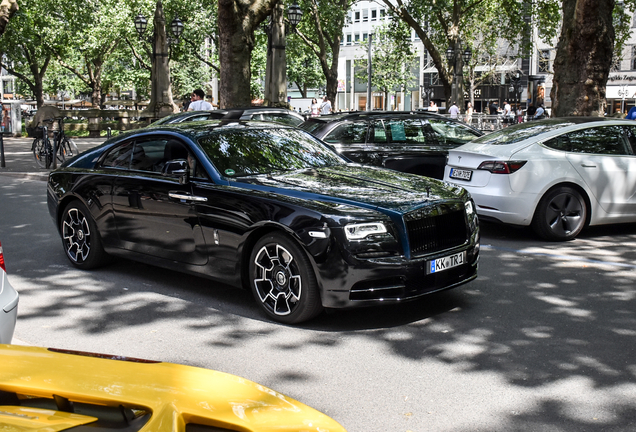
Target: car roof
x=359, y=115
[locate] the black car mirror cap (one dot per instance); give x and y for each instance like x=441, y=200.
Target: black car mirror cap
x=177, y=168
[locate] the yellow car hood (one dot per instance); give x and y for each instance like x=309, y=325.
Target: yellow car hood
x=170, y=395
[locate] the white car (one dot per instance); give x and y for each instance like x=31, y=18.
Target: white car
x=8, y=305
x=557, y=175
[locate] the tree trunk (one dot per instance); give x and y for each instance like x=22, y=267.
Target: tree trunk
x=583, y=58
x=7, y=9
x=237, y=21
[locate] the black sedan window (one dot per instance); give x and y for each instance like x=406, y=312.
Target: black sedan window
x=348, y=133
x=453, y=132
x=260, y=151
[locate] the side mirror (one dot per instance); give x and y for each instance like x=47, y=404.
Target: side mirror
x=177, y=168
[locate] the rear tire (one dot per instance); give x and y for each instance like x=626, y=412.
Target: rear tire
x=560, y=215
x=282, y=280
x=39, y=152
x=81, y=240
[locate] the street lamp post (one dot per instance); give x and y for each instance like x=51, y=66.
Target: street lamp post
x=515, y=87
x=623, y=92
x=275, y=71
x=161, y=102
x=457, y=62
x=426, y=92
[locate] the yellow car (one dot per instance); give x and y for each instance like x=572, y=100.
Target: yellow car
x=54, y=390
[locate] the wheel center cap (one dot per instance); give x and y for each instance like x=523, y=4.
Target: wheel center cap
x=281, y=278
x=80, y=235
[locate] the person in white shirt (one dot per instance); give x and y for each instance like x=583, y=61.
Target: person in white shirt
x=325, y=107
x=453, y=111
x=432, y=106
x=507, y=113
x=198, y=103
x=540, y=113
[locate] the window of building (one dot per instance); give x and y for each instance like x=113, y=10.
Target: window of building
x=365, y=15
x=365, y=37
x=544, y=61
x=633, y=57
x=356, y=16
x=374, y=14
x=382, y=13
x=356, y=38
x=349, y=17
x=348, y=38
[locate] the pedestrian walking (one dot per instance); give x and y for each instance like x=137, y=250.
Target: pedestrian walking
x=453, y=111
x=314, y=108
x=432, y=106
x=325, y=106
x=197, y=102
x=469, y=113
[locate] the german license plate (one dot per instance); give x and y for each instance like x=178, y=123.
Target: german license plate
x=461, y=174
x=445, y=263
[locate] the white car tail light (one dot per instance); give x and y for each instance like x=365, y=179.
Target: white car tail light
x=501, y=167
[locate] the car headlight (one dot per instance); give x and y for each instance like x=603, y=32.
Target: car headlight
x=360, y=231
x=468, y=206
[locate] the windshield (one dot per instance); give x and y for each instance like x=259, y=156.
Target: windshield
x=520, y=132
x=244, y=152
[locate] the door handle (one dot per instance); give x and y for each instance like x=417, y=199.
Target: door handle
x=187, y=197
x=588, y=165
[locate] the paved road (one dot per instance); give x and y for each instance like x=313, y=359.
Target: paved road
x=543, y=340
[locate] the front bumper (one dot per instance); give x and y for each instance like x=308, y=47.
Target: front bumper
x=392, y=280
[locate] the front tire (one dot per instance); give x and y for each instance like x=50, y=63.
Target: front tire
x=39, y=152
x=560, y=215
x=81, y=240
x=283, y=281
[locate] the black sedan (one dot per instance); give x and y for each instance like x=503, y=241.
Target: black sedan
x=412, y=142
x=269, y=208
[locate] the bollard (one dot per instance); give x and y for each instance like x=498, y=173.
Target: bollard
x=2, y=163
x=108, y=132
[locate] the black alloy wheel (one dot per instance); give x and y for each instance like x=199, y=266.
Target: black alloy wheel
x=282, y=280
x=80, y=237
x=560, y=215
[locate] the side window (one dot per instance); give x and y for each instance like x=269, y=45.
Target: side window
x=452, y=132
x=407, y=131
x=562, y=142
x=378, y=133
x=630, y=133
x=348, y=133
x=119, y=157
x=607, y=140
x=149, y=155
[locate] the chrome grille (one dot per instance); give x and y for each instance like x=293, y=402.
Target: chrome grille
x=436, y=228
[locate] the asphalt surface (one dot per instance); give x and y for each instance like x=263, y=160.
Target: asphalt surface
x=543, y=340
x=19, y=160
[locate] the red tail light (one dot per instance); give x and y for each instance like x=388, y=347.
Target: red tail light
x=2, y=259
x=501, y=167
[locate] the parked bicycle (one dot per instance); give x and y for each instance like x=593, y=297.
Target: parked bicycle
x=43, y=147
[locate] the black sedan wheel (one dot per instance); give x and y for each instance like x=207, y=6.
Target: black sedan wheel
x=81, y=240
x=282, y=280
x=560, y=215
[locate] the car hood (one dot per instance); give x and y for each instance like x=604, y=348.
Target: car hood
x=172, y=394
x=357, y=185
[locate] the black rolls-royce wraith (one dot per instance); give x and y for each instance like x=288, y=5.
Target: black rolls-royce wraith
x=269, y=208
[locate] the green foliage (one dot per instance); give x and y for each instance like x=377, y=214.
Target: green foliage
x=303, y=68
x=391, y=50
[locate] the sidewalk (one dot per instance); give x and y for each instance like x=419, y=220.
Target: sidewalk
x=20, y=162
